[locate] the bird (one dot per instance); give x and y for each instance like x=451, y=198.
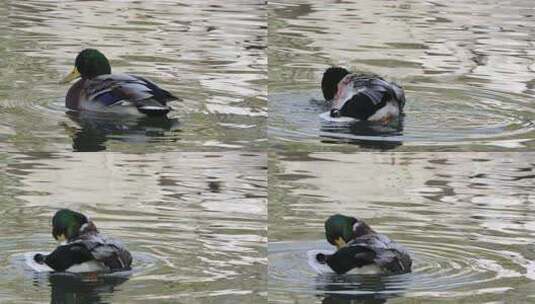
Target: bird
x=359, y=247
x=83, y=245
x=99, y=90
x=362, y=96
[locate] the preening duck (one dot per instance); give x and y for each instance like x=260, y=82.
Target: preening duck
x=83, y=245
x=101, y=91
x=362, y=96
x=359, y=246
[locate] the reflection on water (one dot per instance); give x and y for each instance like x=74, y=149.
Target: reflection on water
x=342, y=289
x=467, y=70
x=209, y=54
x=194, y=222
x=365, y=134
x=466, y=218
x=75, y=289
x=95, y=130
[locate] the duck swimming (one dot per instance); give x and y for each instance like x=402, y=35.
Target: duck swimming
x=101, y=91
x=83, y=244
x=362, y=96
x=359, y=246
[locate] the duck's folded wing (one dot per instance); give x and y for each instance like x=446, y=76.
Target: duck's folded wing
x=157, y=92
x=375, y=90
x=394, y=262
x=378, y=89
x=349, y=257
x=63, y=257
x=109, y=90
x=390, y=255
x=114, y=256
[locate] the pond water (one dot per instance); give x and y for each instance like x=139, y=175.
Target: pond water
x=210, y=55
x=466, y=66
x=466, y=218
x=194, y=222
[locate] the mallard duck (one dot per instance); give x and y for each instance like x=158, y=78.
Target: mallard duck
x=83, y=247
x=360, y=247
x=101, y=91
x=362, y=96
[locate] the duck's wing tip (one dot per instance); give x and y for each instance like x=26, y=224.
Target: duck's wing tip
x=176, y=98
x=158, y=93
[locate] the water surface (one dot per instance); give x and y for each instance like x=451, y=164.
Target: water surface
x=467, y=68
x=209, y=54
x=466, y=218
x=194, y=222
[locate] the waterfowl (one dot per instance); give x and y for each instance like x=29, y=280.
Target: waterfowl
x=360, y=247
x=83, y=245
x=362, y=96
x=101, y=91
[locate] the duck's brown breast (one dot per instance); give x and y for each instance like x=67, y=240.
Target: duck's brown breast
x=74, y=95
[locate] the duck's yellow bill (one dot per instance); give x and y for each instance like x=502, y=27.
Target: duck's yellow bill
x=339, y=243
x=72, y=75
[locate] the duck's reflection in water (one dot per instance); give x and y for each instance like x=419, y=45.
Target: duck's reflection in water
x=352, y=289
x=96, y=128
x=365, y=134
x=84, y=288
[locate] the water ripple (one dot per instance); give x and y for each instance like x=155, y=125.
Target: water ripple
x=466, y=219
x=438, y=268
x=212, y=56
x=191, y=222
x=468, y=79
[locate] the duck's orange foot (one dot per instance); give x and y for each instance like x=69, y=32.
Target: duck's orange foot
x=386, y=120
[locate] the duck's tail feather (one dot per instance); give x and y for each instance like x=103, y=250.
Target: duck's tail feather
x=152, y=112
x=152, y=107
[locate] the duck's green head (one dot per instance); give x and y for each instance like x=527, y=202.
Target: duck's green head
x=89, y=63
x=66, y=224
x=330, y=80
x=339, y=229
